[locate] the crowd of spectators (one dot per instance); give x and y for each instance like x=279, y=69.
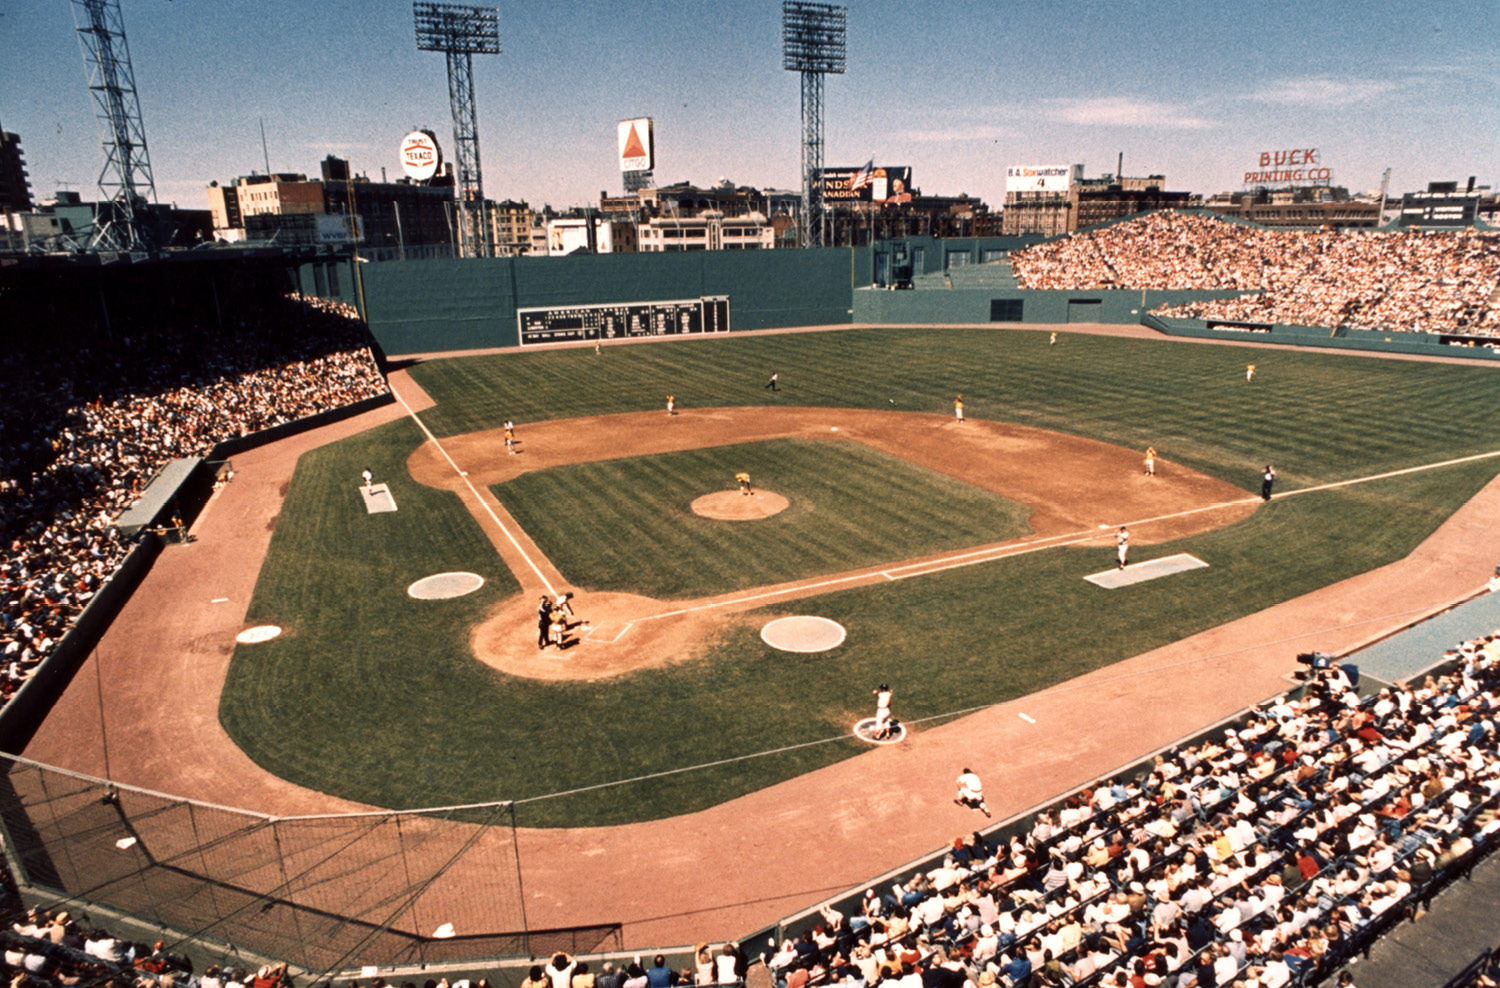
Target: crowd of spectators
x=726, y=965
x=1422, y=281
x=1266, y=858
x=84, y=428
x=50, y=949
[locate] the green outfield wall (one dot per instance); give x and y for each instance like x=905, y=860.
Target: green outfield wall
x=904, y=258
x=1334, y=338
x=437, y=306
x=434, y=306
x=979, y=305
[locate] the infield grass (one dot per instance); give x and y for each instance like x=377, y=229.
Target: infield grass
x=629, y=525
x=376, y=698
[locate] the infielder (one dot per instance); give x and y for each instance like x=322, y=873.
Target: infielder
x=971, y=792
x=958, y=407
x=1151, y=461
x=882, y=710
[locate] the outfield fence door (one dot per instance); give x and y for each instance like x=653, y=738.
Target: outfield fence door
x=1084, y=309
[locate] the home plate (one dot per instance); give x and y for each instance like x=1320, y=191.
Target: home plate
x=1151, y=569
x=378, y=498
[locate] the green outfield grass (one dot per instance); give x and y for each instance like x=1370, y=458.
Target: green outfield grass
x=376, y=698
x=1317, y=415
x=629, y=527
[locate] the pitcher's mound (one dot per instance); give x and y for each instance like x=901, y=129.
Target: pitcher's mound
x=734, y=506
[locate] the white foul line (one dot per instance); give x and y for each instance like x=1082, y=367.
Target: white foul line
x=464, y=476
x=957, y=561
x=976, y=556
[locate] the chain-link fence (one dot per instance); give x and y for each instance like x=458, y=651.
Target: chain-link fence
x=324, y=893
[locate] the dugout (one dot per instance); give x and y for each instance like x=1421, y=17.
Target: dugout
x=177, y=493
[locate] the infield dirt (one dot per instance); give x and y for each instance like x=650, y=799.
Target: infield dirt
x=143, y=708
x=1074, y=487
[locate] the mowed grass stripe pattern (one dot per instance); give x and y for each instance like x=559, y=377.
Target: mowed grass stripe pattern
x=627, y=525
x=362, y=667
x=370, y=699
x=1318, y=416
x=384, y=704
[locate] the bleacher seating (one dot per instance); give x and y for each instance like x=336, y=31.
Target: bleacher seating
x=1272, y=855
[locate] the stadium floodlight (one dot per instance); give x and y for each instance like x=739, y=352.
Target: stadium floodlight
x=814, y=42
x=125, y=181
x=461, y=32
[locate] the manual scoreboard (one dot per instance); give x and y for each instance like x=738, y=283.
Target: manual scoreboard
x=623, y=320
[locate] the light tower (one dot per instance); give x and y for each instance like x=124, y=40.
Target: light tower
x=125, y=180
x=462, y=32
x=814, y=41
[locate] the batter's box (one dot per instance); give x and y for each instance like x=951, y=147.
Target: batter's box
x=609, y=632
x=1151, y=569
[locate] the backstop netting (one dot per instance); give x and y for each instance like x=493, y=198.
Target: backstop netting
x=324, y=893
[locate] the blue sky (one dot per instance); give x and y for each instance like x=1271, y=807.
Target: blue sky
x=956, y=89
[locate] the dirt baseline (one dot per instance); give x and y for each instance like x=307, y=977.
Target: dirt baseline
x=738, y=866
x=1079, y=490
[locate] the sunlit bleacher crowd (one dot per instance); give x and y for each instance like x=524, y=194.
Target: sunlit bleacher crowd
x=1268, y=854
x=85, y=427
x=1424, y=281
x=1267, y=857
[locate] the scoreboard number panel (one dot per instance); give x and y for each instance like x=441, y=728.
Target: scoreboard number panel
x=623, y=320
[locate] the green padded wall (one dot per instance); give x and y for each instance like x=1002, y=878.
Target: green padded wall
x=972, y=305
x=435, y=306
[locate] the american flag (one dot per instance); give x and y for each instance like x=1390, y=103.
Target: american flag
x=863, y=177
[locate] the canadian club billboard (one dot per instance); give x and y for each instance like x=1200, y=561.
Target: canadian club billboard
x=867, y=184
